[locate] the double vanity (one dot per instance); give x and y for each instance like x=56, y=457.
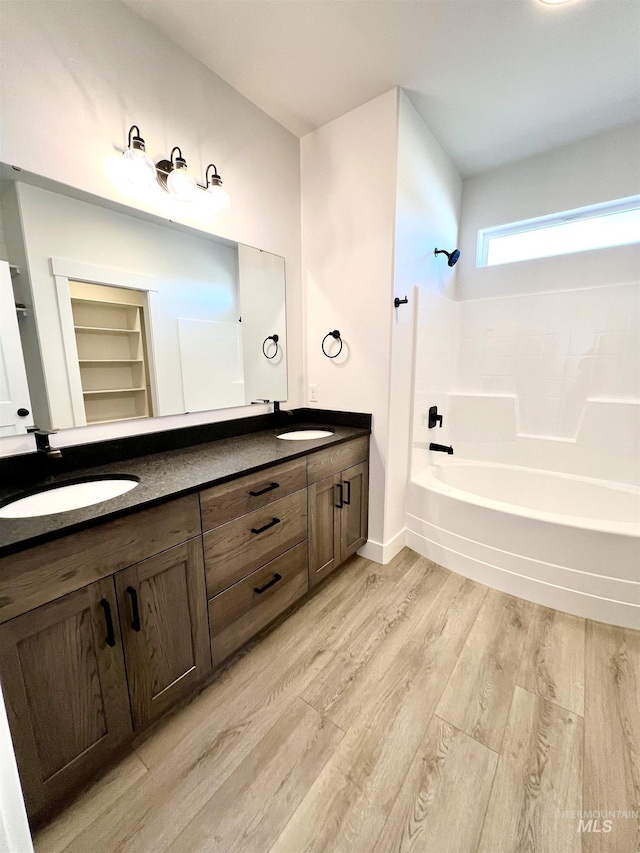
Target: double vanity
x=113, y=612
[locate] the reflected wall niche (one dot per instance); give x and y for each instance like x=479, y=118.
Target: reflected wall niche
x=127, y=315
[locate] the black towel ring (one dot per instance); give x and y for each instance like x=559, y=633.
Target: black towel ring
x=336, y=335
x=275, y=339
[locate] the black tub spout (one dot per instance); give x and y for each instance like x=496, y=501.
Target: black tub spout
x=441, y=447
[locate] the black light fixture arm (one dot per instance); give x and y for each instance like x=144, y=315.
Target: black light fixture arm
x=135, y=141
x=179, y=159
x=335, y=334
x=214, y=177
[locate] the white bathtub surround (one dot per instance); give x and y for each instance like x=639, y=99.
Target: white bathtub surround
x=571, y=543
x=554, y=351
x=488, y=427
x=436, y=350
x=547, y=380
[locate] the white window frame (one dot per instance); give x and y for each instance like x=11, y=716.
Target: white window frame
x=485, y=235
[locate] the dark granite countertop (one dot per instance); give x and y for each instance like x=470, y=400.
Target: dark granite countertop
x=163, y=476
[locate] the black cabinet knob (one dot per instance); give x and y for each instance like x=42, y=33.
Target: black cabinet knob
x=23, y=412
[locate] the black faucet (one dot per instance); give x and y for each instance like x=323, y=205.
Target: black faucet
x=282, y=415
x=43, y=444
x=441, y=447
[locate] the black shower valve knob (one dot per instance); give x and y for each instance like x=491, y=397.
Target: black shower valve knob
x=434, y=418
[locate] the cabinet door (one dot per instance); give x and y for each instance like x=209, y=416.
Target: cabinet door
x=324, y=528
x=64, y=684
x=163, y=610
x=354, y=512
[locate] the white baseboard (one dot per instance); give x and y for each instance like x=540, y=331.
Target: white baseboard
x=379, y=553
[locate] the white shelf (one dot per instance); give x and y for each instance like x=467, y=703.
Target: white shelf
x=116, y=420
x=110, y=361
x=101, y=329
x=111, y=353
x=114, y=391
x=84, y=300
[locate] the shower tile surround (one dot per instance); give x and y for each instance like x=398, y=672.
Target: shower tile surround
x=546, y=380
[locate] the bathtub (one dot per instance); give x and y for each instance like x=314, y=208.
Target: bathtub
x=568, y=542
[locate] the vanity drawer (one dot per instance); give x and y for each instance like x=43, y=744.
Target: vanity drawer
x=324, y=463
x=41, y=574
x=240, y=612
x=234, y=550
x=230, y=500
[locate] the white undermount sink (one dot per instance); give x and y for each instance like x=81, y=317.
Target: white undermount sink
x=305, y=434
x=74, y=495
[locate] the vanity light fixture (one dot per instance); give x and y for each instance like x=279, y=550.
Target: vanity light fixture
x=174, y=177
x=139, y=167
x=554, y=2
x=217, y=196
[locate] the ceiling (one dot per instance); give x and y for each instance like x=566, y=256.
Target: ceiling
x=495, y=80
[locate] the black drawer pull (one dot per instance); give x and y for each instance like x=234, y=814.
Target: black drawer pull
x=264, y=588
x=264, y=491
x=135, y=613
x=347, y=500
x=341, y=504
x=110, y=639
x=266, y=527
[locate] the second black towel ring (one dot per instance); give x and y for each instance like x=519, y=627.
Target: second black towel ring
x=275, y=339
x=336, y=335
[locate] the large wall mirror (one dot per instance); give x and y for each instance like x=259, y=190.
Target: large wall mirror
x=110, y=314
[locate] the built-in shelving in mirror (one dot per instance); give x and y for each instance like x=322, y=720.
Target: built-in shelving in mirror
x=127, y=315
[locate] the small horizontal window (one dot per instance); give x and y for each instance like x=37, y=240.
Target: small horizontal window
x=598, y=227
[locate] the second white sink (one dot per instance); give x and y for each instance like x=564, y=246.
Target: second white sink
x=305, y=434
x=67, y=497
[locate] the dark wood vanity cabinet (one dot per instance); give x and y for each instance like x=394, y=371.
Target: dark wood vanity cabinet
x=104, y=630
x=338, y=509
x=255, y=552
x=65, y=689
x=165, y=632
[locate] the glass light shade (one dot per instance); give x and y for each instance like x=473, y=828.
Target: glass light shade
x=139, y=168
x=181, y=184
x=218, y=198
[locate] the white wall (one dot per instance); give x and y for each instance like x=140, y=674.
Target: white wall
x=348, y=171
x=378, y=195
x=14, y=829
x=602, y=168
x=76, y=75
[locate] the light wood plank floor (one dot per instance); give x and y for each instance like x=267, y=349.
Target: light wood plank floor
x=401, y=708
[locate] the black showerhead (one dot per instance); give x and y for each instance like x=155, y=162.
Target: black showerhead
x=453, y=256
